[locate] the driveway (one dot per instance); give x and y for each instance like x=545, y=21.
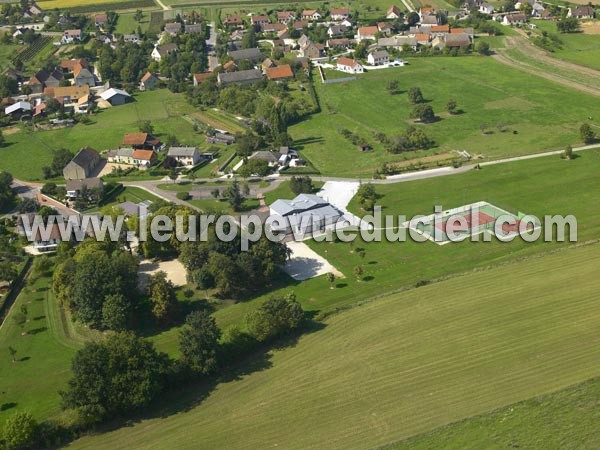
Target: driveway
x=304, y=263
x=339, y=194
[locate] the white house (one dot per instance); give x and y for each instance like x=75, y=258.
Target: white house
x=369, y=33
x=186, y=156
x=311, y=14
x=393, y=13
x=514, y=19
x=349, y=65
x=19, y=107
x=486, y=8
x=378, y=58
x=339, y=13
x=160, y=51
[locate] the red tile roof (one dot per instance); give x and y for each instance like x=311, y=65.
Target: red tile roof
x=277, y=73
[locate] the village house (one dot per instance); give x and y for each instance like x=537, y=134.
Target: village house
x=349, y=65
x=311, y=15
x=75, y=187
x=71, y=37
x=342, y=43
x=199, y=78
x=286, y=17
x=82, y=76
x=100, y=19
x=43, y=79
x=280, y=73
x=195, y=28
x=140, y=141
x=385, y=28
x=18, y=109
x=486, y=8
x=451, y=41
x=47, y=243
x=131, y=38
x=173, y=28
x=248, y=54
x=312, y=50
x=260, y=21
x=243, y=77
x=300, y=25
x=378, y=58
x=273, y=28
x=185, y=156
x=115, y=96
x=339, y=14
x=514, y=19
x=234, y=20
x=148, y=82
x=143, y=158
x=160, y=51
x=120, y=156
x=82, y=165
x=70, y=97
x=581, y=12
x=336, y=31
x=393, y=13
x=398, y=42
x=367, y=33
x=221, y=138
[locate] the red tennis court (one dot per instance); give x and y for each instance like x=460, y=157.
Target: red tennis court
x=455, y=224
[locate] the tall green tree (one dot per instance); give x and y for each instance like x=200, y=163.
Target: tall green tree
x=20, y=431
x=276, y=317
x=165, y=307
x=199, y=342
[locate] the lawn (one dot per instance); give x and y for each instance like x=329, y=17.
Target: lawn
x=284, y=191
x=528, y=186
x=161, y=107
x=565, y=419
x=402, y=365
x=222, y=206
x=538, y=114
x=128, y=25
x=579, y=48
x=43, y=354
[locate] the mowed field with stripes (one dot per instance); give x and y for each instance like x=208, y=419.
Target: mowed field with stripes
x=402, y=365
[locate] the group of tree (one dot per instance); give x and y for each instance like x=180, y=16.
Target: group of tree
x=98, y=284
x=275, y=318
x=423, y=113
x=188, y=59
x=60, y=158
x=234, y=273
x=413, y=139
x=125, y=63
x=7, y=195
x=254, y=167
x=415, y=95
x=301, y=185
x=366, y=196
x=568, y=25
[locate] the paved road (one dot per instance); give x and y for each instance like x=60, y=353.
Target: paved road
x=211, y=44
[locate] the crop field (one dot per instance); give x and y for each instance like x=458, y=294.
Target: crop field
x=161, y=107
x=563, y=419
x=402, y=365
x=94, y=5
x=536, y=117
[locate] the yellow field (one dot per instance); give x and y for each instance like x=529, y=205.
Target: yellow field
x=64, y=4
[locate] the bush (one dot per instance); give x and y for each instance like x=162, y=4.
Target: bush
x=183, y=195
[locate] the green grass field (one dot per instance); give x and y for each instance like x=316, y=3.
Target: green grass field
x=544, y=115
x=565, y=419
x=579, y=48
x=161, y=107
x=127, y=24
x=403, y=365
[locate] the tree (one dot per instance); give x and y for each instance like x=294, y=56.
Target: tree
x=215, y=193
x=20, y=431
x=234, y=196
x=250, y=40
x=6, y=192
x=13, y=353
x=483, y=48
x=451, y=106
x=392, y=87
x=115, y=312
x=358, y=271
x=587, y=134
x=412, y=18
x=199, y=342
x=366, y=196
x=1, y=138
x=138, y=16
x=8, y=272
x=20, y=319
x=568, y=25
x=301, y=185
x=568, y=153
x=331, y=279
x=415, y=95
x=424, y=113
x=162, y=297
x=276, y=317
x=146, y=127
x=114, y=376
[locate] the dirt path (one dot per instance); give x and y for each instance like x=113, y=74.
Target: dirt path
x=522, y=44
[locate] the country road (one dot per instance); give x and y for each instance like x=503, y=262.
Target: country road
x=162, y=5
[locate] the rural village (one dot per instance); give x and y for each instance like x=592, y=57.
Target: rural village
x=317, y=115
